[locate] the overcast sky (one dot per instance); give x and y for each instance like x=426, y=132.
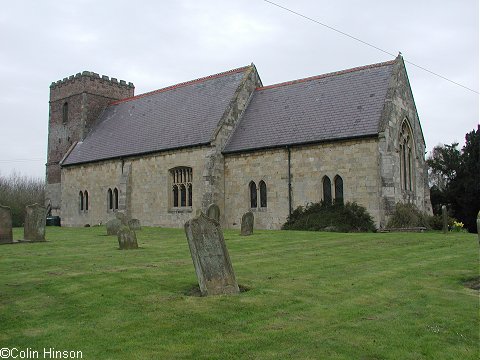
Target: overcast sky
x=159, y=43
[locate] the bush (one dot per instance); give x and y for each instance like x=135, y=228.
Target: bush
x=436, y=222
x=17, y=191
x=349, y=217
x=407, y=216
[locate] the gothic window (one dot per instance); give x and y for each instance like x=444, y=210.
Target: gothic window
x=85, y=195
x=338, y=181
x=110, y=199
x=263, y=194
x=253, y=194
x=327, y=190
x=115, y=199
x=65, y=113
x=406, y=148
x=80, y=199
x=182, y=194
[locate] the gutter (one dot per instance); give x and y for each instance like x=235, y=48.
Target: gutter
x=289, y=182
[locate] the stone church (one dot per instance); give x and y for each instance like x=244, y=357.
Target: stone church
x=226, y=139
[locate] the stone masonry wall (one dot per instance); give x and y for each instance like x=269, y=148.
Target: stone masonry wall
x=356, y=161
x=149, y=183
x=400, y=106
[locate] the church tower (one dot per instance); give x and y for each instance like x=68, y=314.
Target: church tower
x=75, y=104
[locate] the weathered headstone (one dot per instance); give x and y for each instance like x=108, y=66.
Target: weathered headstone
x=213, y=212
x=6, y=236
x=210, y=256
x=247, y=224
x=35, y=222
x=127, y=239
x=444, y=219
x=478, y=226
x=134, y=224
x=122, y=217
x=113, y=226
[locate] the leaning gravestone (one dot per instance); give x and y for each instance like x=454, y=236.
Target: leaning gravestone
x=247, y=224
x=444, y=219
x=35, y=222
x=134, y=224
x=127, y=239
x=6, y=236
x=210, y=256
x=113, y=226
x=213, y=212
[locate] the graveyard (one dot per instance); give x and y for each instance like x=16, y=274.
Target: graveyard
x=303, y=295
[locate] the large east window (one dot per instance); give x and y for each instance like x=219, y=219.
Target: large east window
x=406, y=157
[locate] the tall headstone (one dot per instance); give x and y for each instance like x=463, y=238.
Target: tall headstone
x=127, y=239
x=247, y=224
x=6, y=236
x=213, y=212
x=122, y=217
x=444, y=219
x=210, y=256
x=35, y=221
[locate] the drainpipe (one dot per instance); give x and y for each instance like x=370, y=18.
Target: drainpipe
x=289, y=182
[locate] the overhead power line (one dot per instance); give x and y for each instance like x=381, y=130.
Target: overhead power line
x=367, y=44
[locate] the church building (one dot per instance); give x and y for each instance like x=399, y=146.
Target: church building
x=226, y=139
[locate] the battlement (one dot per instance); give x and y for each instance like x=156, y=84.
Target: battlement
x=93, y=77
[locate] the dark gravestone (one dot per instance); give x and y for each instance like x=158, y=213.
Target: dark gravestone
x=213, y=212
x=247, y=224
x=6, y=236
x=134, y=224
x=35, y=221
x=113, y=226
x=210, y=256
x=444, y=219
x=127, y=239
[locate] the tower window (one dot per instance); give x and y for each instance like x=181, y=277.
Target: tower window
x=65, y=113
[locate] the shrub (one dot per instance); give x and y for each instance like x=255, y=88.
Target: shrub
x=406, y=216
x=349, y=217
x=436, y=222
x=17, y=191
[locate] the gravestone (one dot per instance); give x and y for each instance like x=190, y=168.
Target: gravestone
x=127, y=239
x=122, y=217
x=478, y=226
x=35, y=222
x=113, y=226
x=210, y=256
x=6, y=236
x=134, y=224
x=444, y=219
x=213, y=212
x=247, y=224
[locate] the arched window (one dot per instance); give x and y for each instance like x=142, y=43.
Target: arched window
x=263, y=194
x=406, y=165
x=65, y=113
x=110, y=199
x=338, y=181
x=327, y=190
x=80, y=199
x=115, y=199
x=253, y=194
x=182, y=190
x=85, y=195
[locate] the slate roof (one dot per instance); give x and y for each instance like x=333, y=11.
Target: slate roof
x=341, y=105
x=179, y=116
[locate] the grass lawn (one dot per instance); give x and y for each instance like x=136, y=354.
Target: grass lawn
x=312, y=296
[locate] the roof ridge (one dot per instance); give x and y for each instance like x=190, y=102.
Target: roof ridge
x=327, y=75
x=182, y=84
